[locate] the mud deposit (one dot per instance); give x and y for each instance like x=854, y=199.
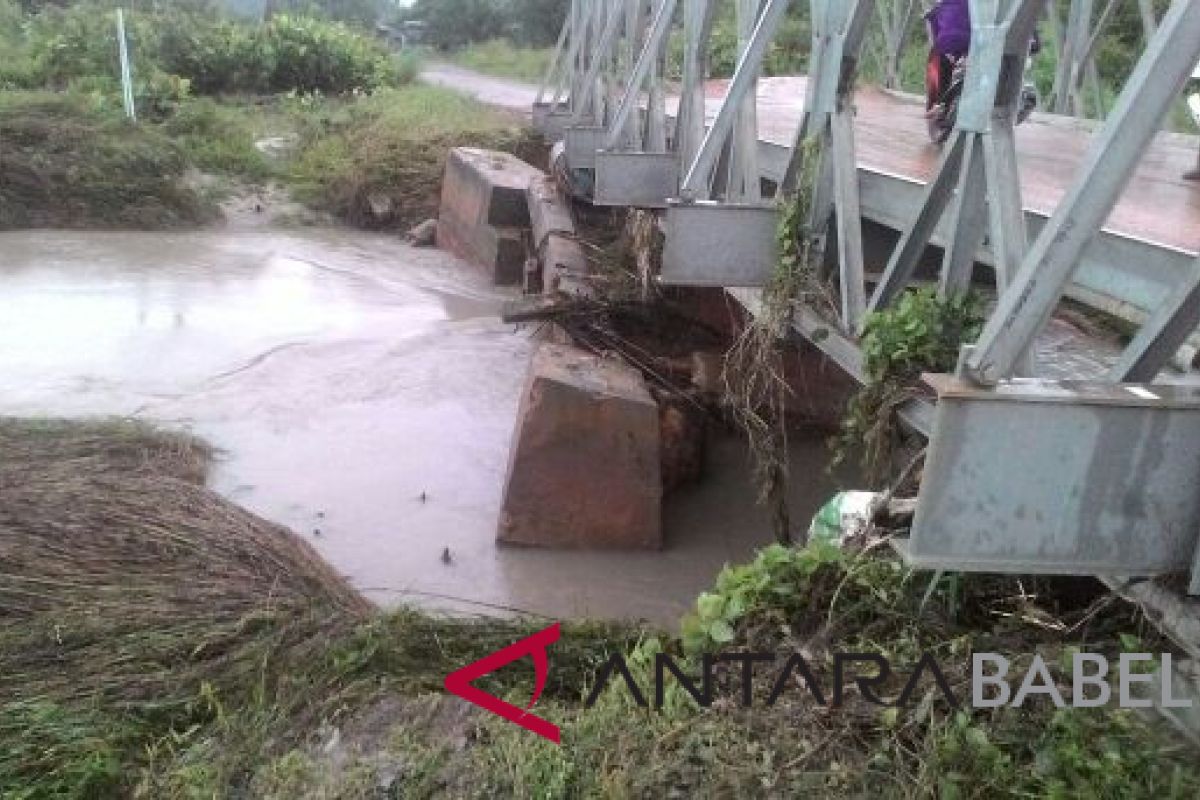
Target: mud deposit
x=362, y=392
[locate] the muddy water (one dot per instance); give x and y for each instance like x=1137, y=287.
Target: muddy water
x=363, y=393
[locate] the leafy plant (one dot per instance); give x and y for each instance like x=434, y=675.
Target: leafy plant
x=775, y=578
x=921, y=332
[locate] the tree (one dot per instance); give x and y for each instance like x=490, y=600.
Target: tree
x=456, y=23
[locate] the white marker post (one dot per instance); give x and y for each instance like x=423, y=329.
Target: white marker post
x=126, y=80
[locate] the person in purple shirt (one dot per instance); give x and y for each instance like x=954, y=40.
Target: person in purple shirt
x=950, y=23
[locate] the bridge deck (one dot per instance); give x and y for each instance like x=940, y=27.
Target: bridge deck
x=1147, y=245
x=1158, y=206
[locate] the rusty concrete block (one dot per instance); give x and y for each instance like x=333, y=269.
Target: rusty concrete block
x=584, y=467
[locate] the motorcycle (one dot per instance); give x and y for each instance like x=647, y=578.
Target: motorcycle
x=943, y=89
x=944, y=76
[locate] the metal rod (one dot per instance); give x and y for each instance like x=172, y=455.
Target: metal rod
x=744, y=77
x=641, y=70
x=552, y=68
x=126, y=77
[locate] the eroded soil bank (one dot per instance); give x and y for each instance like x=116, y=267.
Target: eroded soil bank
x=362, y=392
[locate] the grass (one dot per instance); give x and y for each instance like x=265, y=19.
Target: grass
x=501, y=57
x=373, y=161
x=219, y=138
x=67, y=164
x=378, y=163
x=157, y=641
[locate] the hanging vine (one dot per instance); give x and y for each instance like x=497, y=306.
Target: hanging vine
x=756, y=388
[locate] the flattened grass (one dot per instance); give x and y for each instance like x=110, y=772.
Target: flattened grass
x=64, y=164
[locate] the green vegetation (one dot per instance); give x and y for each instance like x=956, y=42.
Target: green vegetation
x=208, y=91
x=372, y=161
x=218, y=138
x=920, y=332
x=213, y=54
x=452, y=24
x=198, y=651
x=501, y=57
x=378, y=163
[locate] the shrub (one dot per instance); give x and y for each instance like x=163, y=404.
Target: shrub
x=66, y=43
x=212, y=54
x=307, y=55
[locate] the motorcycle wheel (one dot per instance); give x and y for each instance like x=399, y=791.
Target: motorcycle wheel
x=939, y=131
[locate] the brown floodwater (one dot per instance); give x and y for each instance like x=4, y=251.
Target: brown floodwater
x=362, y=392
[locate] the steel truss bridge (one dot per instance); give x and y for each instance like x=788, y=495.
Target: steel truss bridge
x=1040, y=460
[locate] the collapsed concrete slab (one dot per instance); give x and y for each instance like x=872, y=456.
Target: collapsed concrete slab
x=484, y=210
x=584, y=468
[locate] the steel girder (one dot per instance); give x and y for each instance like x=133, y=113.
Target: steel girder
x=839, y=30
x=977, y=181
x=635, y=166
x=1030, y=299
x=725, y=165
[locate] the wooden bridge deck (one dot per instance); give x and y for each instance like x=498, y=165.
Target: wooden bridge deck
x=1158, y=205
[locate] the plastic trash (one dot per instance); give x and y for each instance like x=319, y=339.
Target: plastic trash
x=845, y=515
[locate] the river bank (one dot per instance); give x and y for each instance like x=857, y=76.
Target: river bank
x=207, y=634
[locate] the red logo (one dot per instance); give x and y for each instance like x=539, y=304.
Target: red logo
x=459, y=682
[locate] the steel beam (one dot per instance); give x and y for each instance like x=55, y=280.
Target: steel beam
x=549, y=78
x=1163, y=334
x=690, y=126
x=745, y=76
x=896, y=18
x=599, y=56
x=1027, y=304
x=977, y=178
x=646, y=59
x=968, y=215
x=1149, y=18
x=1067, y=478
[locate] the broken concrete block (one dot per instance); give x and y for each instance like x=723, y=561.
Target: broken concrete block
x=584, y=467
x=487, y=187
x=564, y=266
x=484, y=209
x=533, y=277
x=549, y=211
